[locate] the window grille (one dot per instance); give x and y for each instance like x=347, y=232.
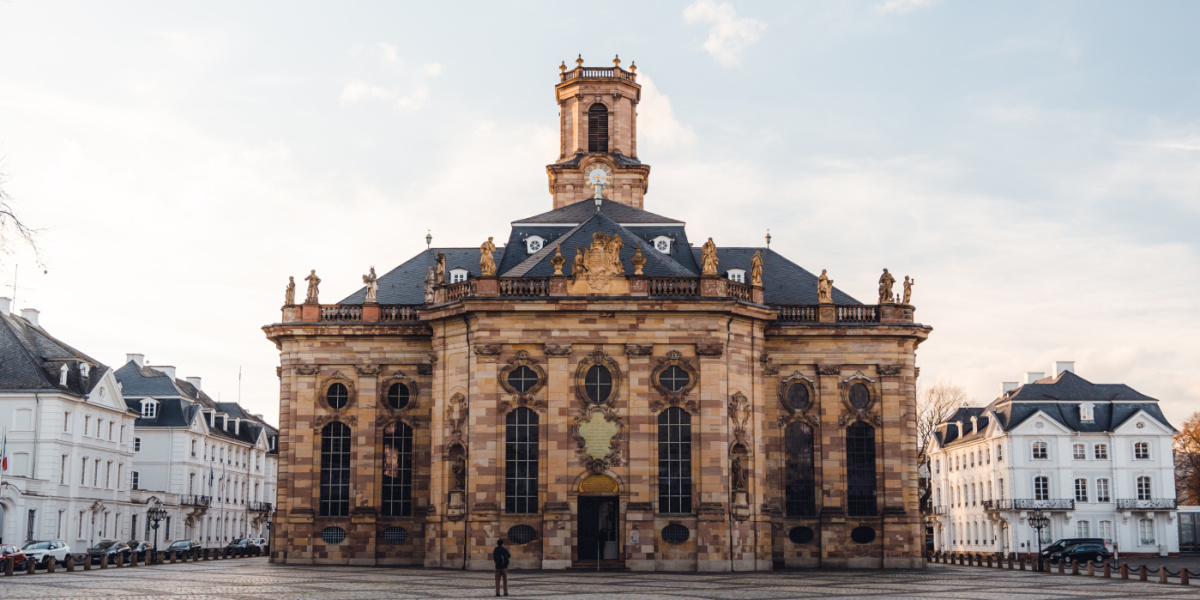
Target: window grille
x=521, y=534
x=395, y=535
x=333, y=535
x=521, y=462
x=676, y=533
x=799, y=471
x=674, y=461
x=397, y=470
x=597, y=384
x=598, y=128
x=335, y=470
x=860, y=469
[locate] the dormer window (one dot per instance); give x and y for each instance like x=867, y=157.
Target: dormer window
x=533, y=244
x=458, y=275
x=83, y=369
x=149, y=409
x=738, y=275
x=1087, y=412
x=662, y=243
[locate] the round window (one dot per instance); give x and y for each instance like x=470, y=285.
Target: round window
x=522, y=379
x=674, y=379
x=797, y=396
x=397, y=396
x=597, y=383
x=800, y=535
x=862, y=535
x=395, y=535
x=337, y=396
x=860, y=397
x=521, y=534
x=333, y=535
x=675, y=534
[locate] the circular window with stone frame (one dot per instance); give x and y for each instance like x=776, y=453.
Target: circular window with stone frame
x=337, y=396
x=333, y=535
x=597, y=384
x=674, y=379
x=395, y=535
x=801, y=535
x=859, y=396
x=398, y=395
x=676, y=533
x=522, y=379
x=798, y=396
x=521, y=534
x=862, y=535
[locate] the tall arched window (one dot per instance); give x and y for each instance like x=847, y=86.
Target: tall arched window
x=335, y=470
x=521, y=461
x=598, y=128
x=799, y=475
x=674, y=461
x=397, y=470
x=860, y=469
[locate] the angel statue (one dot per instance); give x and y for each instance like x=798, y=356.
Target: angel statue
x=289, y=297
x=708, y=261
x=313, y=282
x=372, y=287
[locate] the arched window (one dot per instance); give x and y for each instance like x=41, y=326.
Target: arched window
x=799, y=475
x=521, y=461
x=1041, y=488
x=335, y=470
x=860, y=469
x=598, y=128
x=674, y=461
x=397, y=470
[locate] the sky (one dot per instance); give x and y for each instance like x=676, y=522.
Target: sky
x=1034, y=166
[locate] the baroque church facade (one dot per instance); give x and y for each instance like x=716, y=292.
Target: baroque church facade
x=598, y=392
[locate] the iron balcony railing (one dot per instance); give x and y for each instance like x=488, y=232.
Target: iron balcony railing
x=1151, y=504
x=193, y=500
x=260, y=506
x=1029, y=504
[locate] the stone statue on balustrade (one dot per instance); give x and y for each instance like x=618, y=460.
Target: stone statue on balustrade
x=577, y=267
x=824, y=289
x=372, y=287
x=886, y=281
x=430, y=282
x=708, y=259
x=487, y=261
x=756, y=269
x=289, y=297
x=313, y=283
x=908, y=283
x=558, y=261
x=439, y=274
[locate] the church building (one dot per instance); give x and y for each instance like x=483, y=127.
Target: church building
x=599, y=391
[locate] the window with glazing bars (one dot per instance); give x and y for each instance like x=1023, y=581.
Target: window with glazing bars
x=1041, y=488
x=674, y=461
x=397, y=470
x=521, y=462
x=799, y=483
x=598, y=128
x=860, y=470
x=335, y=470
x=1143, y=488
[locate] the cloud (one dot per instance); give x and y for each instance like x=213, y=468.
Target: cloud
x=658, y=129
x=900, y=7
x=409, y=97
x=729, y=34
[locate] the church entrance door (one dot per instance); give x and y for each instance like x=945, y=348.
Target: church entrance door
x=596, y=530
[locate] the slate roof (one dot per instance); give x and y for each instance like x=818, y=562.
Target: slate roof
x=617, y=157
x=580, y=236
x=784, y=282
x=581, y=211
x=1059, y=398
x=30, y=359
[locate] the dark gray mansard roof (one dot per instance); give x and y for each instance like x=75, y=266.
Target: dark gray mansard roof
x=30, y=359
x=1059, y=398
x=573, y=227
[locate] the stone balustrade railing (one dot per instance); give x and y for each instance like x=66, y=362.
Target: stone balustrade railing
x=525, y=287
x=598, y=72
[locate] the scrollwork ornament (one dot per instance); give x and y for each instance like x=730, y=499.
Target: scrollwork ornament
x=557, y=349
x=889, y=370
x=366, y=370
x=639, y=349
x=320, y=422
x=679, y=397
x=716, y=349
x=307, y=369
x=829, y=370
x=769, y=367
x=599, y=465
x=487, y=349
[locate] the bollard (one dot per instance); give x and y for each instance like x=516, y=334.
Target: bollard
x=1062, y=567
x=1022, y=562
x=104, y=561
x=172, y=555
x=1142, y=573
x=133, y=559
x=30, y=567
x=1184, y=578
x=1074, y=567
x=1124, y=571
x=50, y=564
x=1091, y=571
x=989, y=561
x=1010, y=565
x=87, y=563
x=1107, y=571
x=10, y=563
x=1162, y=574
x=70, y=563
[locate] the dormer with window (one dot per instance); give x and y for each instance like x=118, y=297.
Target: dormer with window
x=1087, y=412
x=458, y=275
x=149, y=408
x=738, y=275
x=534, y=244
x=662, y=243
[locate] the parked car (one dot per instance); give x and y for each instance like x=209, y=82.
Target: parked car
x=243, y=545
x=1082, y=552
x=260, y=542
x=15, y=553
x=1067, y=543
x=183, y=546
x=140, y=548
x=111, y=548
x=41, y=551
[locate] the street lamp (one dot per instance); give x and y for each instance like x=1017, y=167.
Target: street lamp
x=155, y=514
x=1039, y=521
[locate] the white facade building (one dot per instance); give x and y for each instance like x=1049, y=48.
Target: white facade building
x=1095, y=458
x=70, y=441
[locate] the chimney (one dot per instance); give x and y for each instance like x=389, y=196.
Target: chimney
x=212, y=419
x=194, y=381
x=137, y=359
x=237, y=426
x=1062, y=366
x=974, y=425
x=5, y=305
x=1008, y=386
x=167, y=369
x=31, y=315
x=1033, y=376
x=960, y=428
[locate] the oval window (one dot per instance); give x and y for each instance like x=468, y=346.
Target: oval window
x=675, y=534
x=333, y=535
x=395, y=535
x=337, y=396
x=597, y=383
x=674, y=379
x=522, y=379
x=521, y=534
x=860, y=397
x=397, y=396
x=797, y=396
x=862, y=535
x=800, y=535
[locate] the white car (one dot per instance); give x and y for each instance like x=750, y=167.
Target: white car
x=41, y=552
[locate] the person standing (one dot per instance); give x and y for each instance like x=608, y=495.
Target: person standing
x=500, y=556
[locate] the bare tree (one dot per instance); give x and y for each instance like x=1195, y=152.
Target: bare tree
x=1187, y=461
x=13, y=231
x=934, y=405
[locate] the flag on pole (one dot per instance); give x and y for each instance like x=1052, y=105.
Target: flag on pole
x=4, y=453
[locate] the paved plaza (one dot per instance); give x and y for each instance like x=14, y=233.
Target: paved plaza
x=258, y=580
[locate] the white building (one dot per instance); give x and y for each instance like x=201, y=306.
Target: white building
x=1095, y=458
x=212, y=464
x=70, y=440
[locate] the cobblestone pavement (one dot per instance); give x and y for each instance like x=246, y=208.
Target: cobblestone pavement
x=256, y=579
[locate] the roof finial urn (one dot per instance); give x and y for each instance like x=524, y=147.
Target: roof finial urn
x=768, y=237
x=617, y=60
x=633, y=67
x=579, y=61
x=563, y=67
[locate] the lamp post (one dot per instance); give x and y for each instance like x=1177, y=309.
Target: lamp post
x=1039, y=521
x=155, y=514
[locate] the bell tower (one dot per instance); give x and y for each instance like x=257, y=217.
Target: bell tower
x=598, y=130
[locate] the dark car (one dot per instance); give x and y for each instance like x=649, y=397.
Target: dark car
x=139, y=548
x=1068, y=543
x=242, y=545
x=183, y=546
x=1082, y=552
x=113, y=549
x=14, y=553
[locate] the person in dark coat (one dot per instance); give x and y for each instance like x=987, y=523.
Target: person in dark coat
x=501, y=557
